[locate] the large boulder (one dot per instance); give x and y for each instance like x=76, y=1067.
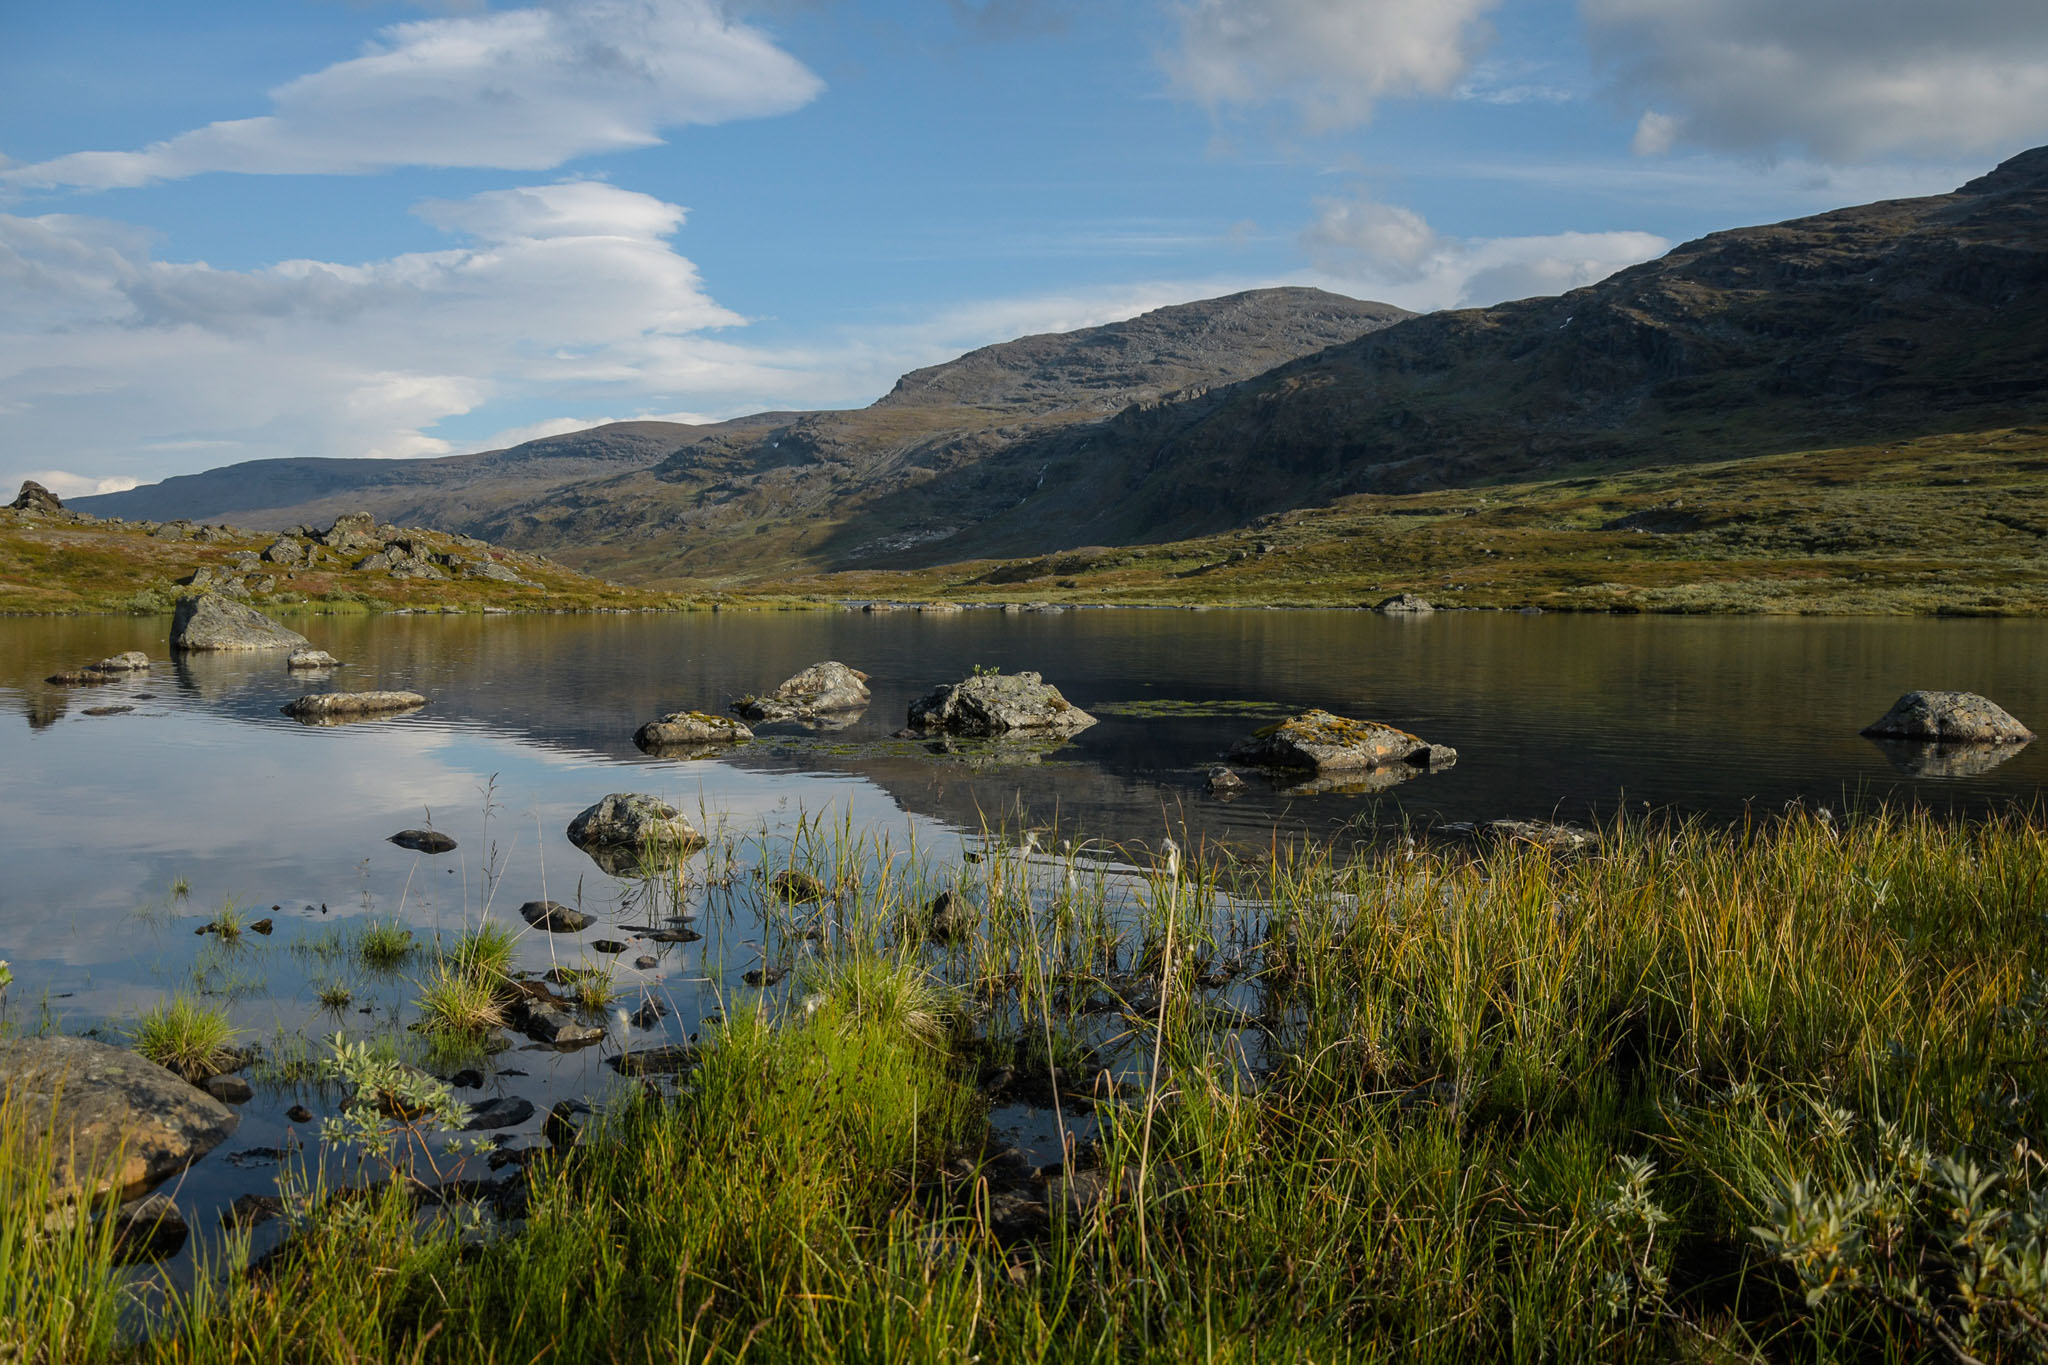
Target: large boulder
x=1948, y=718
x=1317, y=741
x=351, y=532
x=995, y=704
x=35, y=498
x=210, y=621
x=319, y=706
x=98, y=1101
x=1406, y=604
x=691, y=728
x=822, y=689
x=629, y=822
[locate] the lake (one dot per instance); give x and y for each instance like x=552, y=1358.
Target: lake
x=123, y=833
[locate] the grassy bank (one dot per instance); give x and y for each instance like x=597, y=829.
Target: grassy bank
x=1760, y=1094
x=1948, y=524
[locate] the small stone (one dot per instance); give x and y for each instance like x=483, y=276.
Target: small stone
x=1222, y=779
x=106, y=710
x=506, y=1111
x=250, y=1209
x=318, y=706
x=469, y=1078
x=798, y=888
x=608, y=945
x=646, y=962
x=310, y=658
x=261, y=926
x=229, y=1089
x=299, y=1113
x=763, y=977
x=422, y=840
x=555, y=917
x=149, y=1229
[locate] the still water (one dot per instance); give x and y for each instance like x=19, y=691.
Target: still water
x=204, y=786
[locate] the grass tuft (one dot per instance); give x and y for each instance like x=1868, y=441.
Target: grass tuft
x=185, y=1036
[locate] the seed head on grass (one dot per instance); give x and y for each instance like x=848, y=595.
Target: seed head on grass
x=185, y=1036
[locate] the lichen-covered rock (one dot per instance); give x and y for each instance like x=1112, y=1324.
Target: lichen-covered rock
x=690, y=727
x=351, y=532
x=210, y=622
x=995, y=704
x=33, y=497
x=1318, y=741
x=133, y=661
x=822, y=689
x=286, y=551
x=1406, y=604
x=98, y=1100
x=308, y=657
x=328, y=705
x=1948, y=718
x=631, y=821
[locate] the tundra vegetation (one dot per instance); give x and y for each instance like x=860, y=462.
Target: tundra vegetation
x=1764, y=1092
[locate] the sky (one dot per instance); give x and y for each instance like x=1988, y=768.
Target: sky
x=237, y=231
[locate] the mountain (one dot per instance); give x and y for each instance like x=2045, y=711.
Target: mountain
x=1866, y=325
x=975, y=404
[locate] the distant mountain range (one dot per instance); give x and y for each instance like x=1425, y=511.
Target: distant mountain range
x=1885, y=321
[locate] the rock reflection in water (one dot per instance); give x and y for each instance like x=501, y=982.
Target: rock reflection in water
x=1918, y=759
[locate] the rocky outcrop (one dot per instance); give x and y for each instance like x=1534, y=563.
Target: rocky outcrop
x=318, y=706
x=1406, y=604
x=991, y=705
x=33, y=497
x=352, y=533
x=690, y=728
x=308, y=657
x=823, y=689
x=1948, y=718
x=627, y=822
x=212, y=622
x=98, y=1102
x=1319, y=742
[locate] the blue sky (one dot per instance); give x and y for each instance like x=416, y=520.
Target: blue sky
x=339, y=227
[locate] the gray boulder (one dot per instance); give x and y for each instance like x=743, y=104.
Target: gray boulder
x=308, y=657
x=996, y=704
x=33, y=497
x=1320, y=742
x=133, y=661
x=212, y=622
x=632, y=821
x=1948, y=718
x=286, y=551
x=317, y=706
x=822, y=689
x=555, y=917
x=99, y=1101
x=1406, y=604
x=351, y=532
x=690, y=727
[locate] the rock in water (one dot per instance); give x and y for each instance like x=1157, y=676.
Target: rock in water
x=690, y=727
x=422, y=840
x=317, y=706
x=210, y=621
x=1221, y=779
x=555, y=917
x=134, y=661
x=33, y=497
x=1406, y=604
x=149, y=1229
x=1948, y=718
x=99, y=1100
x=308, y=657
x=993, y=704
x=630, y=821
x=822, y=689
x=1321, y=742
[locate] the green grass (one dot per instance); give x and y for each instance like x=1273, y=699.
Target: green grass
x=383, y=944
x=454, y=1001
x=484, y=953
x=186, y=1036
x=334, y=995
x=1774, y=1092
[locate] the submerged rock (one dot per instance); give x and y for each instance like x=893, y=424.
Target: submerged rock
x=690, y=728
x=308, y=657
x=98, y=1100
x=422, y=840
x=996, y=704
x=1948, y=718
x=210, y=621
x=555, y=917
x=506, y=1111
x=1320, y=742
x=149, y=1229
x=820, y=690
x=627, y=822
x=79, y=677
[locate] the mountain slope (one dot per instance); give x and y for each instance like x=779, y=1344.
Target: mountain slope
x=977, y=402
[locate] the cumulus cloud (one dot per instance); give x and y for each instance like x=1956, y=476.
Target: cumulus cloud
x=1332, y=59
x=521, y=89
x=1392, y=254
x=68, y=485
x=1839, y=80
x=569, y=294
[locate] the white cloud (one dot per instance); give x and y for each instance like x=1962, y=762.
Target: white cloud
x=1332, y=59
x=68, y=485
x=1839, y=80
x=132, y=367
x=522, y=89
x=1389, y=253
